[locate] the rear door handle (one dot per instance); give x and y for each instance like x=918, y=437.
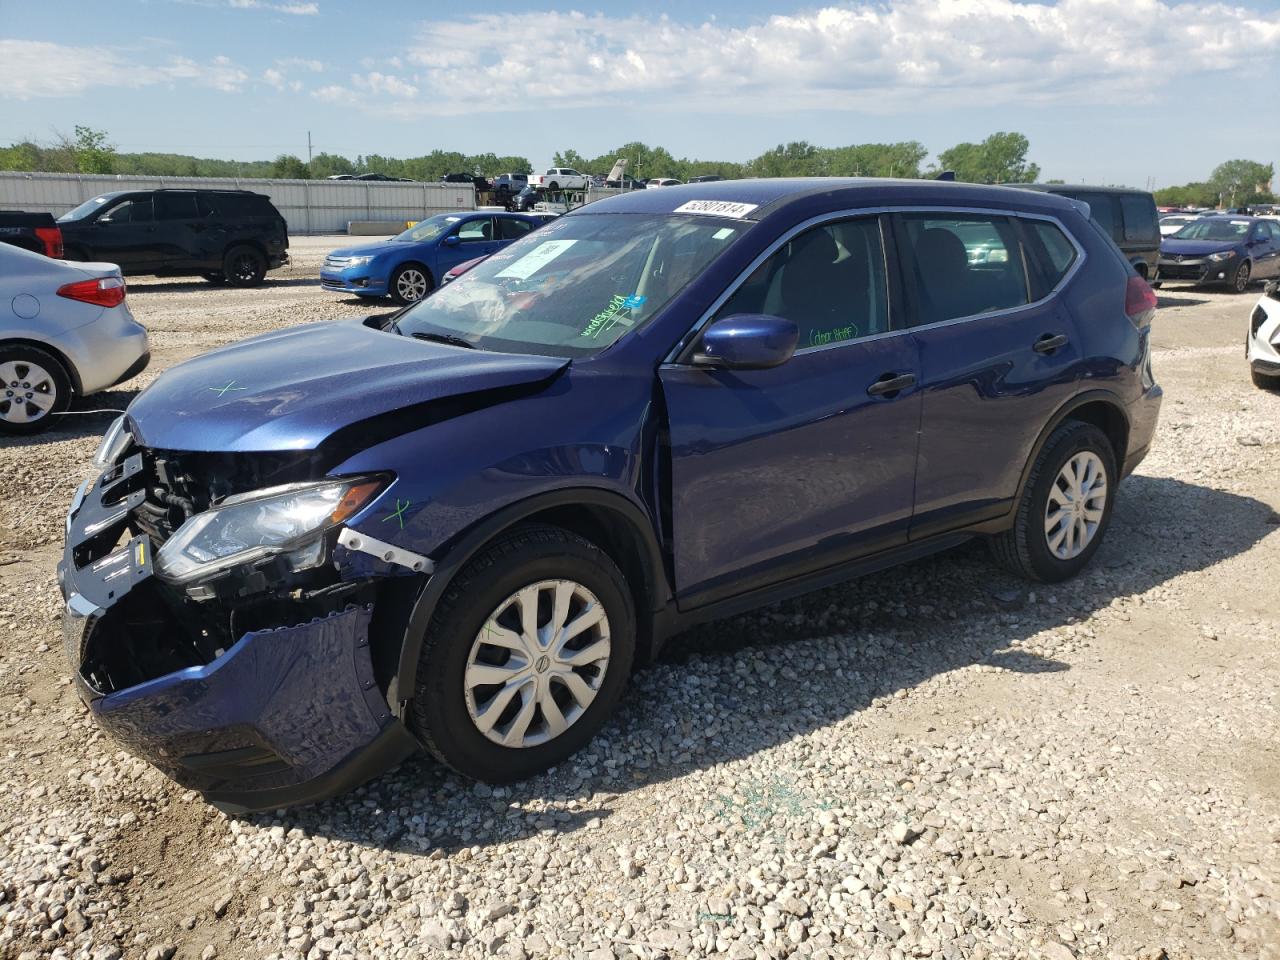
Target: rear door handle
x=891, y=383
x=1049, y=343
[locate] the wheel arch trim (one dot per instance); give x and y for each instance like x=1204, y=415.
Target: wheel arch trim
x=1062, y=414
x=69, y=368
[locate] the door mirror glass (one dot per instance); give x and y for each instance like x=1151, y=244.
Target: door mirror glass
x=451, y=240
x=748, y=341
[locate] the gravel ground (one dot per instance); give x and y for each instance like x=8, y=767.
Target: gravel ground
x=936, y=761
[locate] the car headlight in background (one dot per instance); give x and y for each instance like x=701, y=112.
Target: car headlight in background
x=1219, y=257
x=114, y=442
x=249, y=526
x=358, y=262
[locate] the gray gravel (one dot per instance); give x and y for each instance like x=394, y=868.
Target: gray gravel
x=936, y=761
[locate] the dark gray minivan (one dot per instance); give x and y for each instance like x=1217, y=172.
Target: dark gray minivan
x=1128, y=215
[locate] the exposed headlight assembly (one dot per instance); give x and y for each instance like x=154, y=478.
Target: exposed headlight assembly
x=1219, y=257
x=250, y=526
x=114, y=442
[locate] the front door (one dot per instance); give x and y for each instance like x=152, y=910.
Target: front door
x=776, y=473
x=125, y=234
x=476, y=238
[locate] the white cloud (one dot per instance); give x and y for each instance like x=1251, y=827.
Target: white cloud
x=296, y=9
x=866, y=56
x=36, y=68
x=375, y=82
x=300, y=63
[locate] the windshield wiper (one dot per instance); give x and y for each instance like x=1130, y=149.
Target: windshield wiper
x=444, y=338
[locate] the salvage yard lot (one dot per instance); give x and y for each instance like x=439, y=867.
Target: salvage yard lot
x=933, y=761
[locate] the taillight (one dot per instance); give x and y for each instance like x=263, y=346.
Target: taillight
x=51, y=237
x=1139, y=301
x=105, y=291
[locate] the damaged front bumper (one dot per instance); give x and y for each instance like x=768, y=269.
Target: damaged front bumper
x=266, y=716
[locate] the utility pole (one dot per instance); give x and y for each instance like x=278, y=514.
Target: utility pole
x=308, y=151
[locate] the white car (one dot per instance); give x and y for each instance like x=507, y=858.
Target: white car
x=65, y=332
x=1174, y=222
x=1262, y=346
x=559, y=178
x=664, y=182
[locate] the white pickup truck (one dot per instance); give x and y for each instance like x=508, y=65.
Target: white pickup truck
x=559, y=178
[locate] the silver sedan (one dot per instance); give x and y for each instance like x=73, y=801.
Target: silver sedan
x=65, y=332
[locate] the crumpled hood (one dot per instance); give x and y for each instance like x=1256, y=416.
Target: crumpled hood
x=1193, y=248
x=292, y=389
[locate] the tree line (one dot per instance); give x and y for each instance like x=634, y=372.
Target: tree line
x=1231, y=184
x=1000, y=158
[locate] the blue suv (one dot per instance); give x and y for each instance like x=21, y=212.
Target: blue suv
x=459, y=527
x=409, y=266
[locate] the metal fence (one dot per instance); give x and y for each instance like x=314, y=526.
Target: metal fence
x=308, y=206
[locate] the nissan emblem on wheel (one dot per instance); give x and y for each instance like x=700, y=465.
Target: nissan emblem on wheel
x=460, y=527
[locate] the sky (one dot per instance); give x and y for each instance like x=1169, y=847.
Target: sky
x=1137, y=92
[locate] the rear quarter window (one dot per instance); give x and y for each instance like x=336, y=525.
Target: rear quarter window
x=1050, y=255
x=1139, y=215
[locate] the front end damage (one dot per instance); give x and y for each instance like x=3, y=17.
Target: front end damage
x=260, y=686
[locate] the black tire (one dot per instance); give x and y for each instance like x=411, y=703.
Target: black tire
x=216, y=277
x=1264, y=382
x=1240, y=279
x=438, y=713
x=244, y=266
x=1024, y=547
x=398, y=287
x=13, y=398
x=553, y=186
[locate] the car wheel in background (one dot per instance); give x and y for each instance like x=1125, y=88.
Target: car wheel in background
x=244, y=267
x=526, y=655
x=33, y=387
x=215, y=277
x=1065, y=508
x=409, y=283
x=1264, y=382
x=1240, y=279
x=553, y=186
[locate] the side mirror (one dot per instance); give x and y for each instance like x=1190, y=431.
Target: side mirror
x=451, y=240
x=747, y=341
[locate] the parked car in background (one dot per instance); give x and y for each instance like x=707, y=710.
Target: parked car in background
x=1262, y=345
x=223, y=235
x=706, y=178
x=663, y=182
x=1174, y=222
x=341, y=176
x=409, y=266
x=525, y=199
x=460, y=527
x=37, y=232
x=480, y=183
x=1229, y=250
x=509, y=184
x=559, y=178
x=1128, y=216
x=627, y=182
x=65, y=332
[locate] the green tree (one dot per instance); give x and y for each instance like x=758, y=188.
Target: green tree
x=90, y=150
x=1242, y=181
x=567, y=158
x=289, y=167
x=328, y=164
x=1001, y=158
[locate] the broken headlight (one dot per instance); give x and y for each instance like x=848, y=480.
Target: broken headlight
x=263, y=523
x=114, y=442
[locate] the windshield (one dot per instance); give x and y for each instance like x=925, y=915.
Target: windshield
x=428, y=229
x=86, y=208
x=1225, y=230
x=576, y=285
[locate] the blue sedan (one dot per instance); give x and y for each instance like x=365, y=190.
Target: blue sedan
x=409, y=266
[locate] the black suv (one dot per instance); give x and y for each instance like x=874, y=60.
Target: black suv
x=1128, y=216
x=222, y=235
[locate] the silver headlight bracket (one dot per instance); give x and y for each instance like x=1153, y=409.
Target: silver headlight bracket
x=386, y=552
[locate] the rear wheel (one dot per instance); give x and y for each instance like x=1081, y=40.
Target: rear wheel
x=1263, y=381
x=553, y=186
x=34, y=386
x=1065, y=508
x=526, y=656
x=409, y=283
x=1240, y=279
x=244, y=267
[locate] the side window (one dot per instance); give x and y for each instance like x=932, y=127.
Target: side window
x=509, y=229
x=1102, y=210
x=476, y=230
x=1050, y=252
x=132, y=211
x=960, y=265
x=1273, y=229
x=176, y=206
x=1139, y=215
x=829, y=281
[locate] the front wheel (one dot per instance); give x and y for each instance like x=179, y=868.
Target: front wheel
x=1065, y=508
x=1264, y=382
x=244, y=267
x=409, y=283
x=34, y=387
x=1240, y=279
x=526, y=655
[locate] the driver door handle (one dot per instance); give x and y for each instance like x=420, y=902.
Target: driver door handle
x=891, y=383
x=1049, y=343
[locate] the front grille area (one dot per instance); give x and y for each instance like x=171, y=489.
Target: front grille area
x=1180, y=271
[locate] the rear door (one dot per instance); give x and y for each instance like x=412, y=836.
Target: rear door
x=1141, y=231
x=179, y=227
x=1264, y=248
x=777, y=473
x=998, y=355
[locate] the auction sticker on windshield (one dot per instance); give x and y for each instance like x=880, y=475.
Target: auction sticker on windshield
x=532, y=262
x=717, y=208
